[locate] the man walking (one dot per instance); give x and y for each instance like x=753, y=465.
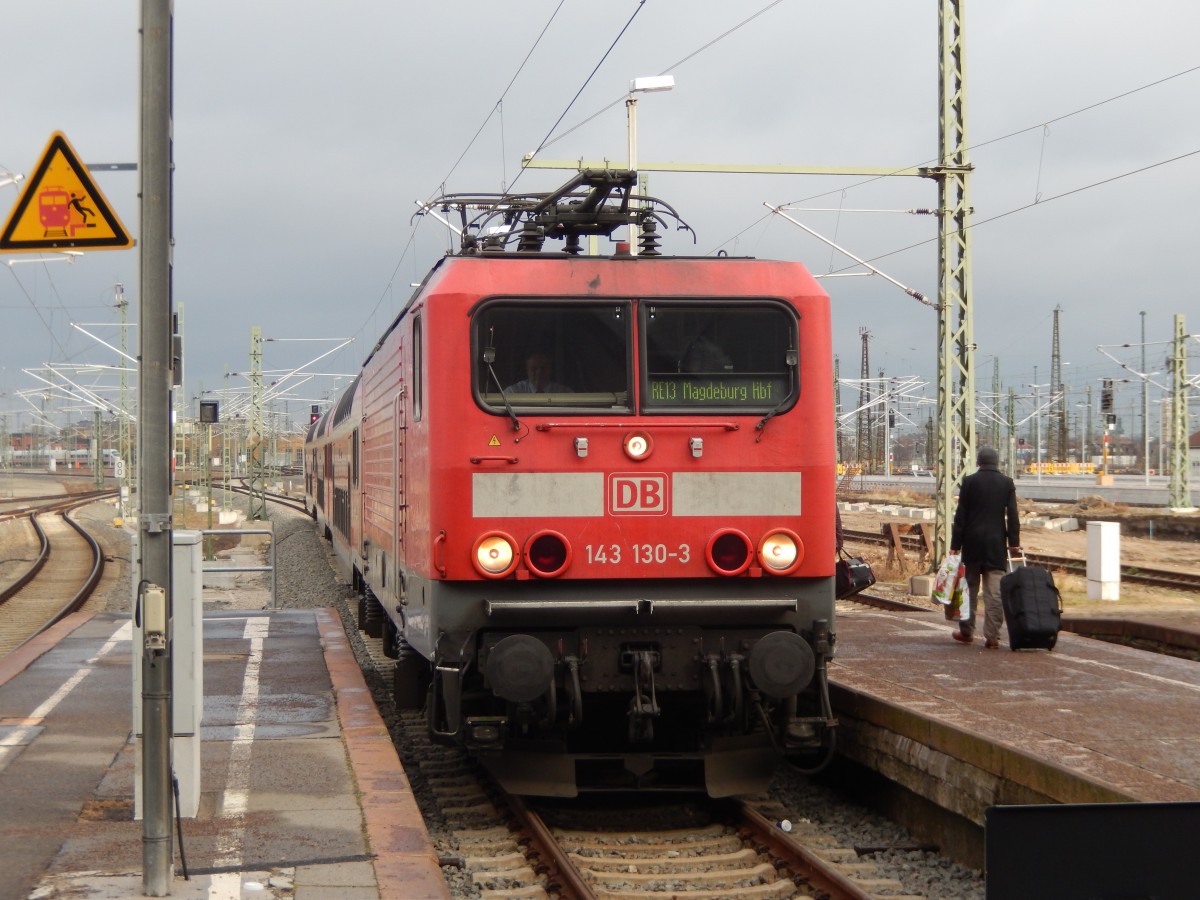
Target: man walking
x=985, y=528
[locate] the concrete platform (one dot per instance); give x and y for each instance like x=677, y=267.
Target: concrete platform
x=966, y=728
x=301, y=791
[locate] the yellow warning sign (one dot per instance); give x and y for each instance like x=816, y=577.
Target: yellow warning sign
x=494, y=442
x=62, y=209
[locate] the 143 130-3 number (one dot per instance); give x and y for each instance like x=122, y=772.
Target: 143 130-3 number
x=641, y=554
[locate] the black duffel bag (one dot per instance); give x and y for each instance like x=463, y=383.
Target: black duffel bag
x=853, y=575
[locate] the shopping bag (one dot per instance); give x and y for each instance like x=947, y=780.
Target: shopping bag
x=959, y=606
x=853, y=575
x=947, y=576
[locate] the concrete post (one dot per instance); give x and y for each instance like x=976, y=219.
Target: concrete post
x=1104, y=560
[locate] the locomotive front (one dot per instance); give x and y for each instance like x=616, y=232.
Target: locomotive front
x=627, y=500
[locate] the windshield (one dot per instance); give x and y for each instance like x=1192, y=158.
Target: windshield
x=718, y=357
x=560, y=355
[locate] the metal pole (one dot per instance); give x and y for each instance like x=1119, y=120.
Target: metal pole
x=97, y=451
x=208, y=476
x=154, y=437
x=1037, y=412
x=631, y=115
x=1145, y=404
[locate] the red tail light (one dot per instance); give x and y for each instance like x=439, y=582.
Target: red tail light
x=547, y=554
x=729, y=552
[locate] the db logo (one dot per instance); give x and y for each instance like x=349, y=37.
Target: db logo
x=637, y=495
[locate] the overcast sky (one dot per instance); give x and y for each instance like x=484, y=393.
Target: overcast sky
x=305, y=132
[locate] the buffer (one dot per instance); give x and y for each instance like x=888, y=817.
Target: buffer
x=62, y=209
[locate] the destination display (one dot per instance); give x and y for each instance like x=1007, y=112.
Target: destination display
x=716, y=390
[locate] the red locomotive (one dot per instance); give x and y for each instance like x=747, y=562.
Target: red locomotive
x=54, y=211
x=589, y=500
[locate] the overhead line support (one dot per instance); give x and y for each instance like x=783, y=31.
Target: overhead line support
x=1179, y=493
x=256, y=449
x=956, y=328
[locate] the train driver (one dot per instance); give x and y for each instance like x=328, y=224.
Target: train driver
x=538, y=377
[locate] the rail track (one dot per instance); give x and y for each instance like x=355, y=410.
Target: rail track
x=737, y=850
x=1165, y=578
x=240, y=487
x=699, y=849
x=18, y=507
x=58, y=580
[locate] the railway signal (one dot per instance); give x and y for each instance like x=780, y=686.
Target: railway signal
x=1106, y=396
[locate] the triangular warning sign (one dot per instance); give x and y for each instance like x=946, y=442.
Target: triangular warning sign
x=62, y=209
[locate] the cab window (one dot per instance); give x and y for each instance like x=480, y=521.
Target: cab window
x=718, y=357
x=548, y=355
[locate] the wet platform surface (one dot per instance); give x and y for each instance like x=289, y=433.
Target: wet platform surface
x=301, y=793
x=1089, y=721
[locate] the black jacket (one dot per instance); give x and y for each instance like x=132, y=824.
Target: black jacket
x=986, y=523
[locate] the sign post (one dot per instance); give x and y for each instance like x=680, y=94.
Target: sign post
x=155, y=528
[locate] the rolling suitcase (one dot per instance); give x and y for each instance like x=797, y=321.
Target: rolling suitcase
x=1032, y=607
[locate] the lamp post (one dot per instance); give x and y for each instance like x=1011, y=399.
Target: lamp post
x=1145, y=405
x=1037, y=416
x=1037, y=409
x=646, y=85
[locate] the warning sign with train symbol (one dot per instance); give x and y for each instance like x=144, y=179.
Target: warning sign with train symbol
x=62, y=209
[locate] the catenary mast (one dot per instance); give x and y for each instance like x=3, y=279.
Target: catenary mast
x=956, y=327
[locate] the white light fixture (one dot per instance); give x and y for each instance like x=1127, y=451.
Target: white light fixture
x=650, y=83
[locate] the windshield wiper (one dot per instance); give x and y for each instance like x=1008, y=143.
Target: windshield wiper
x=489, y=357
x=791, y=359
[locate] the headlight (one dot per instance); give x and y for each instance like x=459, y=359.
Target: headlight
x=780, y=552
x=495, y=555
x=638, y=445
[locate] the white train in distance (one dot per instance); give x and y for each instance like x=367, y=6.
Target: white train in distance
x=61, y=455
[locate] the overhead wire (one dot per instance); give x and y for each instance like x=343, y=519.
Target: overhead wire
x=549, y=140
x=671, y=68
x=499, y=104
x=1011, y=134
x=1004, y=137
x=37, y=310
x=582, y=87
x=1038, y=202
